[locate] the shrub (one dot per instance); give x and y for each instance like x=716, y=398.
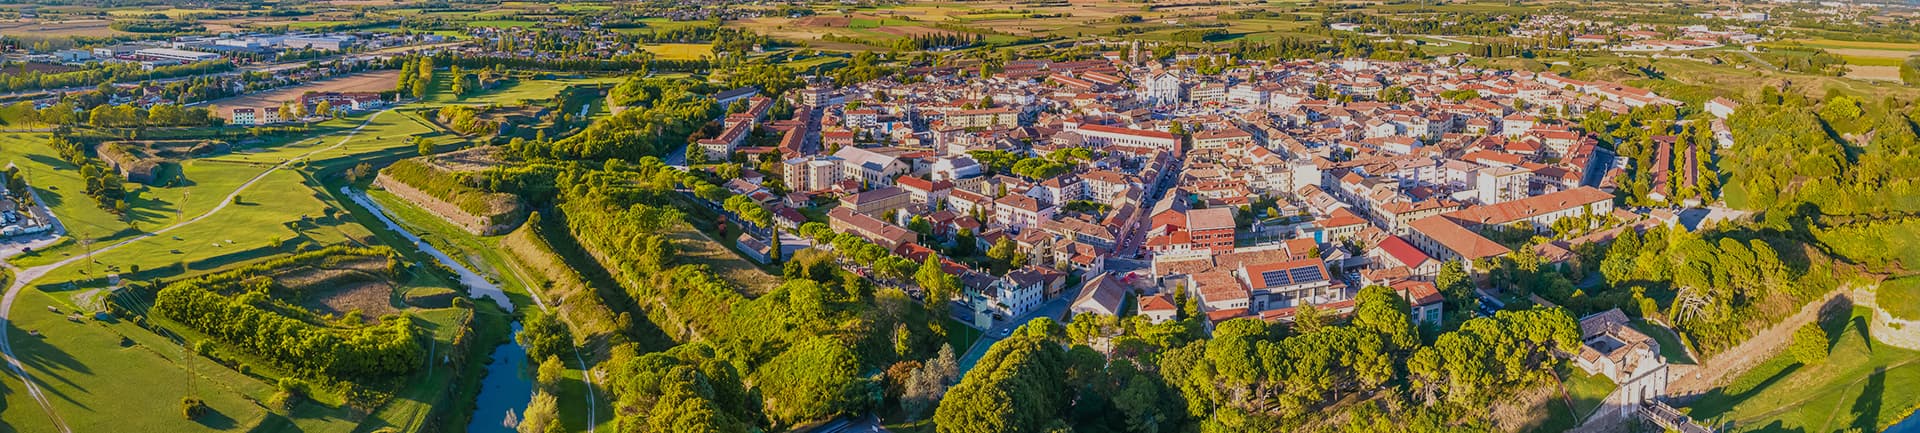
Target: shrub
x=192, y=407
x=1809, y=345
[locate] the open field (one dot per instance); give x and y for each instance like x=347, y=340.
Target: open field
x=1863, y=384
x=87, y=366
x=374, y=81
x=1874, y=73
x=39, y=28
x=516, y=92
x=680, y=51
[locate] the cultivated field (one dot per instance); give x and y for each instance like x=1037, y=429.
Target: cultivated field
x=374, y=81
x=39, y=28
x=680, y=51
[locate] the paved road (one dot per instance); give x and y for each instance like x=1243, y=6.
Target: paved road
x=480, y=286
x=25, y=276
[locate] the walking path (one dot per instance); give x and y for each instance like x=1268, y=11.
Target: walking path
x=23, y=277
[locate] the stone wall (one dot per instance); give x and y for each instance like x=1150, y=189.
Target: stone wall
x=476, y=224
x=1886, y=328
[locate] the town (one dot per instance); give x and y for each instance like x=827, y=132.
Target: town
x=986, y=216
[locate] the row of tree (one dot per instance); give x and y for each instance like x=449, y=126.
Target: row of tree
x=235, y=307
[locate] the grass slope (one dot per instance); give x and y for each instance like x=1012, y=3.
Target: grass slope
x=1863, y=384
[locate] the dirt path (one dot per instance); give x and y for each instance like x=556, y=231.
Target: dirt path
x=25, y=276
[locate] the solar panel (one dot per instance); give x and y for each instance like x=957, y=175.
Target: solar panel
x=1305, y=275
x=1275, y=278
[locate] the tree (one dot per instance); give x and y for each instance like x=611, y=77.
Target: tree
x=425, y=145
x=1379, y=310
x=1809, y=344
x=1910, y=71
x=543, y=336
x=550, y=374
x=1308, y=318
x=192, y=408
x=324, y=109
x=541, y=414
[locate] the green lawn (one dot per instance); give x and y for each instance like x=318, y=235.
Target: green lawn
x=1863, y=384
x=1670, y=346
x=95, y=383
x=1587, y=391
x=1900, y=297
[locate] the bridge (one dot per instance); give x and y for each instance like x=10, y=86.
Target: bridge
x=1666, y=417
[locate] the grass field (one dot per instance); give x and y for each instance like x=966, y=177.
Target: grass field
x=680, y=51
x=502, y=23
x=88, y=371
x=1862, y=384
x=1670, y=346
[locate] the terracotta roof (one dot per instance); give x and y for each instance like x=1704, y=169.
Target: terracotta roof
x=1403, y=251
x=1157, y=303
x=1210, y=218
x=1147, y=133
x=1516, y=210
x=1452, y=236
x=1418, y=293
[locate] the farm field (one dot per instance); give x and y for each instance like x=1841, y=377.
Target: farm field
x=680, y=51
x=1863, y=384
x=44, y=28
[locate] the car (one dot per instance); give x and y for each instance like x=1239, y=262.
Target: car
x=1004, y=333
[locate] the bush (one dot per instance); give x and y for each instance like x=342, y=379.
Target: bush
x=1809, y=345
x=192, y=407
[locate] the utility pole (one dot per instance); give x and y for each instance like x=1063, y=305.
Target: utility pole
x=87, y=244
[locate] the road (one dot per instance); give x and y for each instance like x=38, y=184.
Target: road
x=1055, y=308
x=479, y=286
x=23, y=277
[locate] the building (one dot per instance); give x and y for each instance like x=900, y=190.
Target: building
x=870, y=167
x=1003, y=117
x=1722, y=107
x=1159, y=308
x=1289, y=284
x=1104, y=135
x=1425, y=301
x=720, y=148
x=1610, y=347
x=1018, y=212
x=1101, y=295
x=876, y=202
x=333, y=43
x=243, y=117
x=1395, y=252
x=872, y=229
x=183, y=56
x=1163, y=88
x=1211, y=229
